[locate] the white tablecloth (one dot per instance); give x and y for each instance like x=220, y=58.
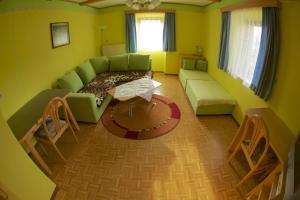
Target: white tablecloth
x=141, y=87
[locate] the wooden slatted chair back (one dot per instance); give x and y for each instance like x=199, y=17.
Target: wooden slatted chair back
x=258, y=142
x=54, y=127
x=52, y=113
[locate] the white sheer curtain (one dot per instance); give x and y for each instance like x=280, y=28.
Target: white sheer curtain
x=150, y=31
x=245, y=34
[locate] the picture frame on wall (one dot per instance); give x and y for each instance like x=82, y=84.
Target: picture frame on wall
x=60, y=34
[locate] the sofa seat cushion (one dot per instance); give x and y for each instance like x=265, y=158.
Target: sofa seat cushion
x=106, y=81
x=185, y=75
x=86, y=72
x=209, y=97
x=71, y=81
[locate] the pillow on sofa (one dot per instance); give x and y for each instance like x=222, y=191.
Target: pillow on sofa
x=139, y=62
x=188, y=64
x=201, y=65
x=86, y=72
x=71, y=81
x=100, y=64
x=119, y=63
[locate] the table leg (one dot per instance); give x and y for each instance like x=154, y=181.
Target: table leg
x=37, y=157
x=153, y=104
x=130, y=107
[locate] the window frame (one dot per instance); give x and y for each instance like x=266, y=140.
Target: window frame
x=149, y=16
x=235, y=73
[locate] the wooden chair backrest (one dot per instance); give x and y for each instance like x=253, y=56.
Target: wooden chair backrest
x=258, y=137
x=52, y=112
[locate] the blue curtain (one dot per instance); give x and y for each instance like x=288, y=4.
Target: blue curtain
x=265, y=69
x=169, y=33
x=131, y=39
x=224, y=45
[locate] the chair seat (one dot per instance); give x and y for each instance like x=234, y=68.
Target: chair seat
x=42, y=133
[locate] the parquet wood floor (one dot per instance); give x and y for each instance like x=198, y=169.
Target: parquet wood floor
x=189, y=163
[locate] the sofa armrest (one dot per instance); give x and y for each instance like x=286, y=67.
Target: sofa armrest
x=83, y=107
x=150, y=64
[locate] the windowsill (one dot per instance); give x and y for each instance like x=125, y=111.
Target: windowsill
x=239, y=80
x=152, y=51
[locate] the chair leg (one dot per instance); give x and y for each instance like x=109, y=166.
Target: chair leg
x=232, y=155
x=249, y=197
x=74, y=135
x=250, y=194
x=70, y=114
x=240, y=193
x=43, y=149
x=237, y=187
x=244, y=179
x=58, y=152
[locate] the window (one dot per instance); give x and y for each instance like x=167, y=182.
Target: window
x=244, y=42
x=150, y=31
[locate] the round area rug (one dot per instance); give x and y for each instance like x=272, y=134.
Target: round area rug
x=148, y=119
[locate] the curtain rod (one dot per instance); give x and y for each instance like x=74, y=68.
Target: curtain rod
x=252, y=4
x=149, y=11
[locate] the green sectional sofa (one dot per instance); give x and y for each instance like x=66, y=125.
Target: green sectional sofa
x=91, y=80
x=206, y=95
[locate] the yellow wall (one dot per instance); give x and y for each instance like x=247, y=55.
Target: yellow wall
x=28, y=62
x=190, y=26
x=190, y=32
x=285, y=100
x=19, y=176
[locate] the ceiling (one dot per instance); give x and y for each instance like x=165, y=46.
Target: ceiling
x=107, y=3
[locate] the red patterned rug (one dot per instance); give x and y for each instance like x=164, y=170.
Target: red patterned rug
x=148, y=119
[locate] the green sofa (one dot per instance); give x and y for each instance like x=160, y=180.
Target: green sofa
x=206, y=95
x=185, y=75
x=91, y=80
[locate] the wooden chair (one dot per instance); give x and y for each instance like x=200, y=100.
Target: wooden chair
x=52, y=127
x=270, y=188
x=254, y=146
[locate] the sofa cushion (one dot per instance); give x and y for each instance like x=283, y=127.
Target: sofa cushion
x=209, y=97
x=71, y=81
x=139, y=62
x=188, y=64
x=185, y=75
x=100, y=64
x=86, y=72
x=119, y=63
x=201, y=65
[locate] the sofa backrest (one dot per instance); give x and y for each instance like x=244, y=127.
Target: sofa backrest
x=118, y=63
x=100, y=64
x=138, y=62
x=75, y=79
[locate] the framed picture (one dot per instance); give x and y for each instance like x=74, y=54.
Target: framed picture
x=60, y=34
